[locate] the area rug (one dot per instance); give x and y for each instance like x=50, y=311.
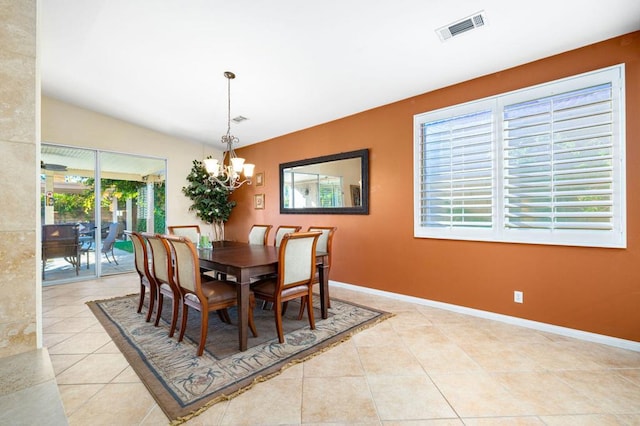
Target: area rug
x=185, y=385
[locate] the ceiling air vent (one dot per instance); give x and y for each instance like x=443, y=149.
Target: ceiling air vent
x=469, y=23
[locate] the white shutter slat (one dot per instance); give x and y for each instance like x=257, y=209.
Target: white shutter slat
x=572, y=159
x=457, y=171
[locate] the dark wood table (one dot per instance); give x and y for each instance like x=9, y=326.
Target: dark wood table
x=246, y=261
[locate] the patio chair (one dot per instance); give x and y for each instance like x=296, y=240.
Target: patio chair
x=108, y=244
x=61, y=240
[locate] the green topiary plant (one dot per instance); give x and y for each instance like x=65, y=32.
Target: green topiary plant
x=210, y=199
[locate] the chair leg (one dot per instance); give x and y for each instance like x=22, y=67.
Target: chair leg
x=223, y=314
x=143, y=290
x=152, y=300
x=174, y=316
x=252, y=324
x=159, y=308
x=284, y=307
x=302, y=305
x=204, y=328
x=312, y=322
x=114, y=257
x=278, y=313
x=183, y=323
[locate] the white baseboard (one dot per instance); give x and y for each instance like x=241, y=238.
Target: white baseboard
x=541, y=326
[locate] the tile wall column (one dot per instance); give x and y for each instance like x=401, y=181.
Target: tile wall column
x=19, y=174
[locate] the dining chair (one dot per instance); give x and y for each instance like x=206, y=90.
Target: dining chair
x=147, y=280
x=190, y=231
x=193, y=233
x=325, y=243
x=204, y=296
x=163, y=273
x=284, y=229
x=296, y=270
x=259, y=234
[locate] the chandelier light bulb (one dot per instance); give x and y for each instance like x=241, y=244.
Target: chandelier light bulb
x=228, y=174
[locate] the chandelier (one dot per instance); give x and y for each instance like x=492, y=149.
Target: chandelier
x=233, y=172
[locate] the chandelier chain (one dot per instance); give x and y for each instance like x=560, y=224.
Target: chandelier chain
x=228, y=174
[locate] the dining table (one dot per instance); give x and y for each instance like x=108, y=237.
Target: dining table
x=246, y=261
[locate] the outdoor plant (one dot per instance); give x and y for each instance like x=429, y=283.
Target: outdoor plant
x=210, y=200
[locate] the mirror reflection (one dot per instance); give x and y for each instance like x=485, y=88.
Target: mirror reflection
x=331, y=184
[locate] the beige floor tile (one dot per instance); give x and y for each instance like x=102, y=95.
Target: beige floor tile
x=605, y=357
x=431, y=422
x=582, y=420
x=389, y=360
x=479, y=395
x=52, y=339
x=609, y=392
x=558, y=356
x=633, y=375
x=339, y=361
x=509, y=333
x=467, y=332
x=213, y=416
x=382, y=334
x=74, y=396
x=409, y=320
x=504, y=421
x=109, y=348
x=489, y=373
x=408, y=397
x=84, y=343
x=446, y=358
x=127, y=376
x=95, y=368
x=295, y=371
x=62, y=362
x=440, y=316
x=342, y=400
x=629, y=419
x=64, y=311
x=72, y=325
x=270, y=402
x=500, y=356
x=132, y=400
x=546, y=393
x=418, y=339
x=157, y=417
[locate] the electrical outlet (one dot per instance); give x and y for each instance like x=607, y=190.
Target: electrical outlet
x=518, y=297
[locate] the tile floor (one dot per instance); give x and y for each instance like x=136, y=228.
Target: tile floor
x=425, y=366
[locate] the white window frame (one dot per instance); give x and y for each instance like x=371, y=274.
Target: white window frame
x=614, y=238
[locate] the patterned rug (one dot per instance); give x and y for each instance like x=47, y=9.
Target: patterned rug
x=185, y=385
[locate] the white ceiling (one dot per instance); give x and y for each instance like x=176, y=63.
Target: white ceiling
x=160, y=63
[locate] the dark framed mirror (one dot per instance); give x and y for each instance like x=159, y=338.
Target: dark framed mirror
x=332, y=184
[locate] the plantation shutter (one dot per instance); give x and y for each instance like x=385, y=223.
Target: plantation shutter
x=457, y=172
x=558, y=154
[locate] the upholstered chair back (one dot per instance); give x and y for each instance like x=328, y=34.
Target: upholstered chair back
x=259, y=234
x=190, y=231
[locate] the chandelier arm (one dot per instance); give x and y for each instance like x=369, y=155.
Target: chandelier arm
x=226, y=176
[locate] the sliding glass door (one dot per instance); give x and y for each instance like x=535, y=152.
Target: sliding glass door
x=89, y=199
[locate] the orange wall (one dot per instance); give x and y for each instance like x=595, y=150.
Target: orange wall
x=590, y=289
